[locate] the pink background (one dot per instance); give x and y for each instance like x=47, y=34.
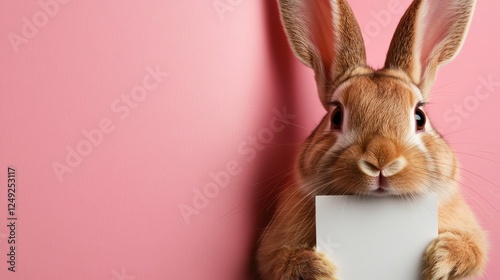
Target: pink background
x=116, y=215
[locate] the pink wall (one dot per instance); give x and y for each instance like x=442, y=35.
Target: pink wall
x=99, y=68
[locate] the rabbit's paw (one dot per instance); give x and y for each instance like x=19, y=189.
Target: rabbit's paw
x=306, y=264
x=453, y=255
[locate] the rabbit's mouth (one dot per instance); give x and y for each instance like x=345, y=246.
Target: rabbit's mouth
x=383, y=186
x=381, y=191
x=386, y=192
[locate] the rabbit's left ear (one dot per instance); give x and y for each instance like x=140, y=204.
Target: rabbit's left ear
x=430, y=34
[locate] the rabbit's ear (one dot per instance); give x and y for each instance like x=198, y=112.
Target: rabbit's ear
x=430, y=34
x=324, y=35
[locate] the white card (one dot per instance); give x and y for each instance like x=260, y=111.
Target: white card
x=376, y=237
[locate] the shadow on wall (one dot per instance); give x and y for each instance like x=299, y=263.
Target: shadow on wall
x=273, y=176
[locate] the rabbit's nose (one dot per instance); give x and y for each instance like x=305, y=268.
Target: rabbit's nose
x=374, y=170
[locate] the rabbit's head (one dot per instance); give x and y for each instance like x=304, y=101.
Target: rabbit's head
x=375, y=138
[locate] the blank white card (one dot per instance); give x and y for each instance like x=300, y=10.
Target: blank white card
x=376, y=237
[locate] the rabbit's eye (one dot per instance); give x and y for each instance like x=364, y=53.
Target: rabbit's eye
x=420, y=119
x=336, y=118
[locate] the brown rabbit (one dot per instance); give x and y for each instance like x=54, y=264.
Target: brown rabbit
x=375, y=138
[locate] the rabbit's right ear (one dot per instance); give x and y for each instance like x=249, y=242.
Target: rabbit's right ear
x=325, y=36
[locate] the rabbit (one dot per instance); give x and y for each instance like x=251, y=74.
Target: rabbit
x=375, y=138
